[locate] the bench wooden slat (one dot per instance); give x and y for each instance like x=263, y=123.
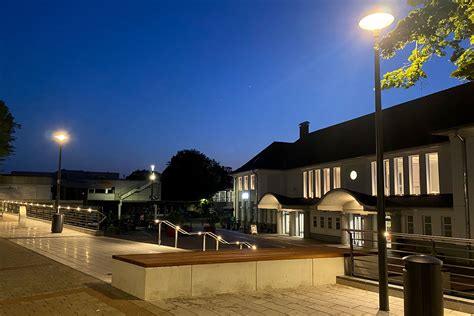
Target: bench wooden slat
x=228, y=256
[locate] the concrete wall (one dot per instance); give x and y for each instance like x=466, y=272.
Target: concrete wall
x=25, y=187
x=209, y=279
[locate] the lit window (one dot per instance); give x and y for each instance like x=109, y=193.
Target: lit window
x=447, y=227
x=410, y=224
x=386, y=176
x=373, y=171
x=317, y=183
x=321, y=222
x=246, y=183
x=414, y=170
x=432, y=173
x=252, y=182
x=239, y=183
x=427, y=227
x=326, y=180
x=338, y=223
x=310, y=184
x=336, y=177
x=398, y=175
x=305, y=184
x=330, y=222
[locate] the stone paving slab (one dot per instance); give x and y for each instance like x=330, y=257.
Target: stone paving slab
x=31, y=284
x=81, y=251
x=319, y=300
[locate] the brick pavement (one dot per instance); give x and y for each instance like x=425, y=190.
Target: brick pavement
x=320, y=300
x=31, y=284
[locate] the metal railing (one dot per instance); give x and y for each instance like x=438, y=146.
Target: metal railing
x=457, y=255
x=84, y=217
x=218, y=239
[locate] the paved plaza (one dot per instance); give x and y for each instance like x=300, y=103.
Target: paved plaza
x=84, y=252
x=37, y=280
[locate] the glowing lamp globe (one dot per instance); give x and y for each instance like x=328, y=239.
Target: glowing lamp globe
x=61, y=137
x=376, y=21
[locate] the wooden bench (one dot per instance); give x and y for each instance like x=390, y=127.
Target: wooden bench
x=185, y=274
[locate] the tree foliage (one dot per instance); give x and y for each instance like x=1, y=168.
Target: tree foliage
x=138, y=174
x=192, y=176
x=8, y=126
x=437, y=28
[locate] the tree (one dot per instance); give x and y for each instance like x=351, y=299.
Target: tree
x=138, y=174
x=8, y=126
x=436, y=28
x=192, y=176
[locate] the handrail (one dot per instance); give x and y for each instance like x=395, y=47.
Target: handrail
x=33, y=207
x=415, y=236
x=217, y=238
x=456, y=253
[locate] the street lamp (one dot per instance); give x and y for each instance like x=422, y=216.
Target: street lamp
x=60, y=137
x=152, y=180
x=374, y=23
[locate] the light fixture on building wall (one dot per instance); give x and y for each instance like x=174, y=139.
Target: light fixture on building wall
x=245, y=195
x=353, y=175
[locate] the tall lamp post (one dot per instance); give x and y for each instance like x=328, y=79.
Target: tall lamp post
x=60, y=137
x=374, y=23
x=152, y=180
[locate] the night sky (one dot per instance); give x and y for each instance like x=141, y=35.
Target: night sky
x=136, y=81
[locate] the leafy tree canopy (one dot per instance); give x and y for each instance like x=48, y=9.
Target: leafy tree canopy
x=192, y=176
x=138, y=174
x=8, y=126
x=437, y=28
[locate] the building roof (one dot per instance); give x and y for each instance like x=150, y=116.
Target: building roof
x=369, y=202
x=407, y=125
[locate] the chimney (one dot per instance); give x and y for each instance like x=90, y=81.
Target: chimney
x=304, y=129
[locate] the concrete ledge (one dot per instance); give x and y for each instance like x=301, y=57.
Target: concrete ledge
x=195, y=279
x=452, y=302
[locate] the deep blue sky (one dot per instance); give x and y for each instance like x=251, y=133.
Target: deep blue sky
x=136, y=81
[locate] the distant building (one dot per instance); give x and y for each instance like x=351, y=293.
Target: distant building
x=326, y=180
x=114, y=196
x=26, y=186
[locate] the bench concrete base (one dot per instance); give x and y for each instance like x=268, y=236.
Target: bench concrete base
x=152, y=283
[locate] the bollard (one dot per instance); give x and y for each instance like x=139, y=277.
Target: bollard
x=204, y=242
x=176, y=236
x=57, y=223
x=22, y=217
x=159, y=233
x=422, y=286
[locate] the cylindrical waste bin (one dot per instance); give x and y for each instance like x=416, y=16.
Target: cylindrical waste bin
x=57, y=223
x=422, y=286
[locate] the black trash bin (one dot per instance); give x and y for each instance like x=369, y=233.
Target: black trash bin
x=57, y=223
x=422, y=286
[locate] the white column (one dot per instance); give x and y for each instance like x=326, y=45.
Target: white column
x=279, y=222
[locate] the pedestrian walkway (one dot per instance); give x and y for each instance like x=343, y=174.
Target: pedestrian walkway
x=33, y=284
x=84, y=252
x=318, y=300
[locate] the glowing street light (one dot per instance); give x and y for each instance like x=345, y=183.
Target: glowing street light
x=152, y=179
x=60, y=137
x=375, y=23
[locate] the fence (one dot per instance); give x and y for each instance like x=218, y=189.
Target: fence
x=78, y=216
x=457, y=255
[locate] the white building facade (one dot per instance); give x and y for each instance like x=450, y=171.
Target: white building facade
x=325, y=181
